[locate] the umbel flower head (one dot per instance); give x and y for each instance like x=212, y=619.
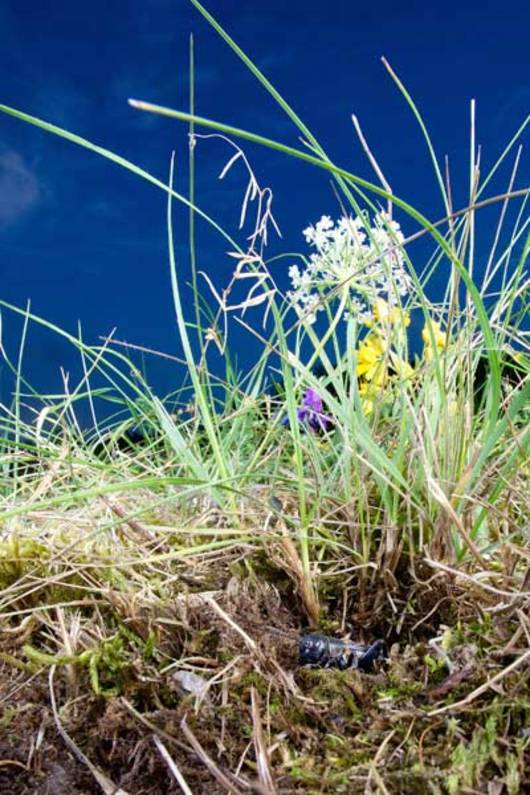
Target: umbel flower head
x=351, y=259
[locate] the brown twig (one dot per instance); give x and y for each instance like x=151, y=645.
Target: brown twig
x=450, y=683
x=218, y=774
x=482, y=689
x=170, y=762
x=260, y=747
x=120, y=511
x=108, y=786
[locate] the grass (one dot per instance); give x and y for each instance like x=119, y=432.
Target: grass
x=208, y=547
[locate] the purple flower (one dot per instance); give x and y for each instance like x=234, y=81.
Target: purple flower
x=310, y=413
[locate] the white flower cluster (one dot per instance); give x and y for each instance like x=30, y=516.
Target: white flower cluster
x=366, y=262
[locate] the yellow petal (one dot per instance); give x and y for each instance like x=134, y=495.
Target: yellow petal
x=394, y=316
x=437, y=333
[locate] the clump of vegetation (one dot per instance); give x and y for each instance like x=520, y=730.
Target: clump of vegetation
x=368, y=477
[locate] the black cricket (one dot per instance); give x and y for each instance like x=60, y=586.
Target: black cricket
x=322, y=651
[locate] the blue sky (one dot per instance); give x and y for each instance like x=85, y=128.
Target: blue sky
x=85, y=240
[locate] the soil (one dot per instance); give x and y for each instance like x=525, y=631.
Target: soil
x=327, y=730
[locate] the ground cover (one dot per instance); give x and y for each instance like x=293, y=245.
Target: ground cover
x=367, y=478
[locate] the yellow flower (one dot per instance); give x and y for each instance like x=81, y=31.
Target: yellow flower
x=370, y=359
x=390, y=315
x=439, y=339
x=402, y=367
x=367, y=395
